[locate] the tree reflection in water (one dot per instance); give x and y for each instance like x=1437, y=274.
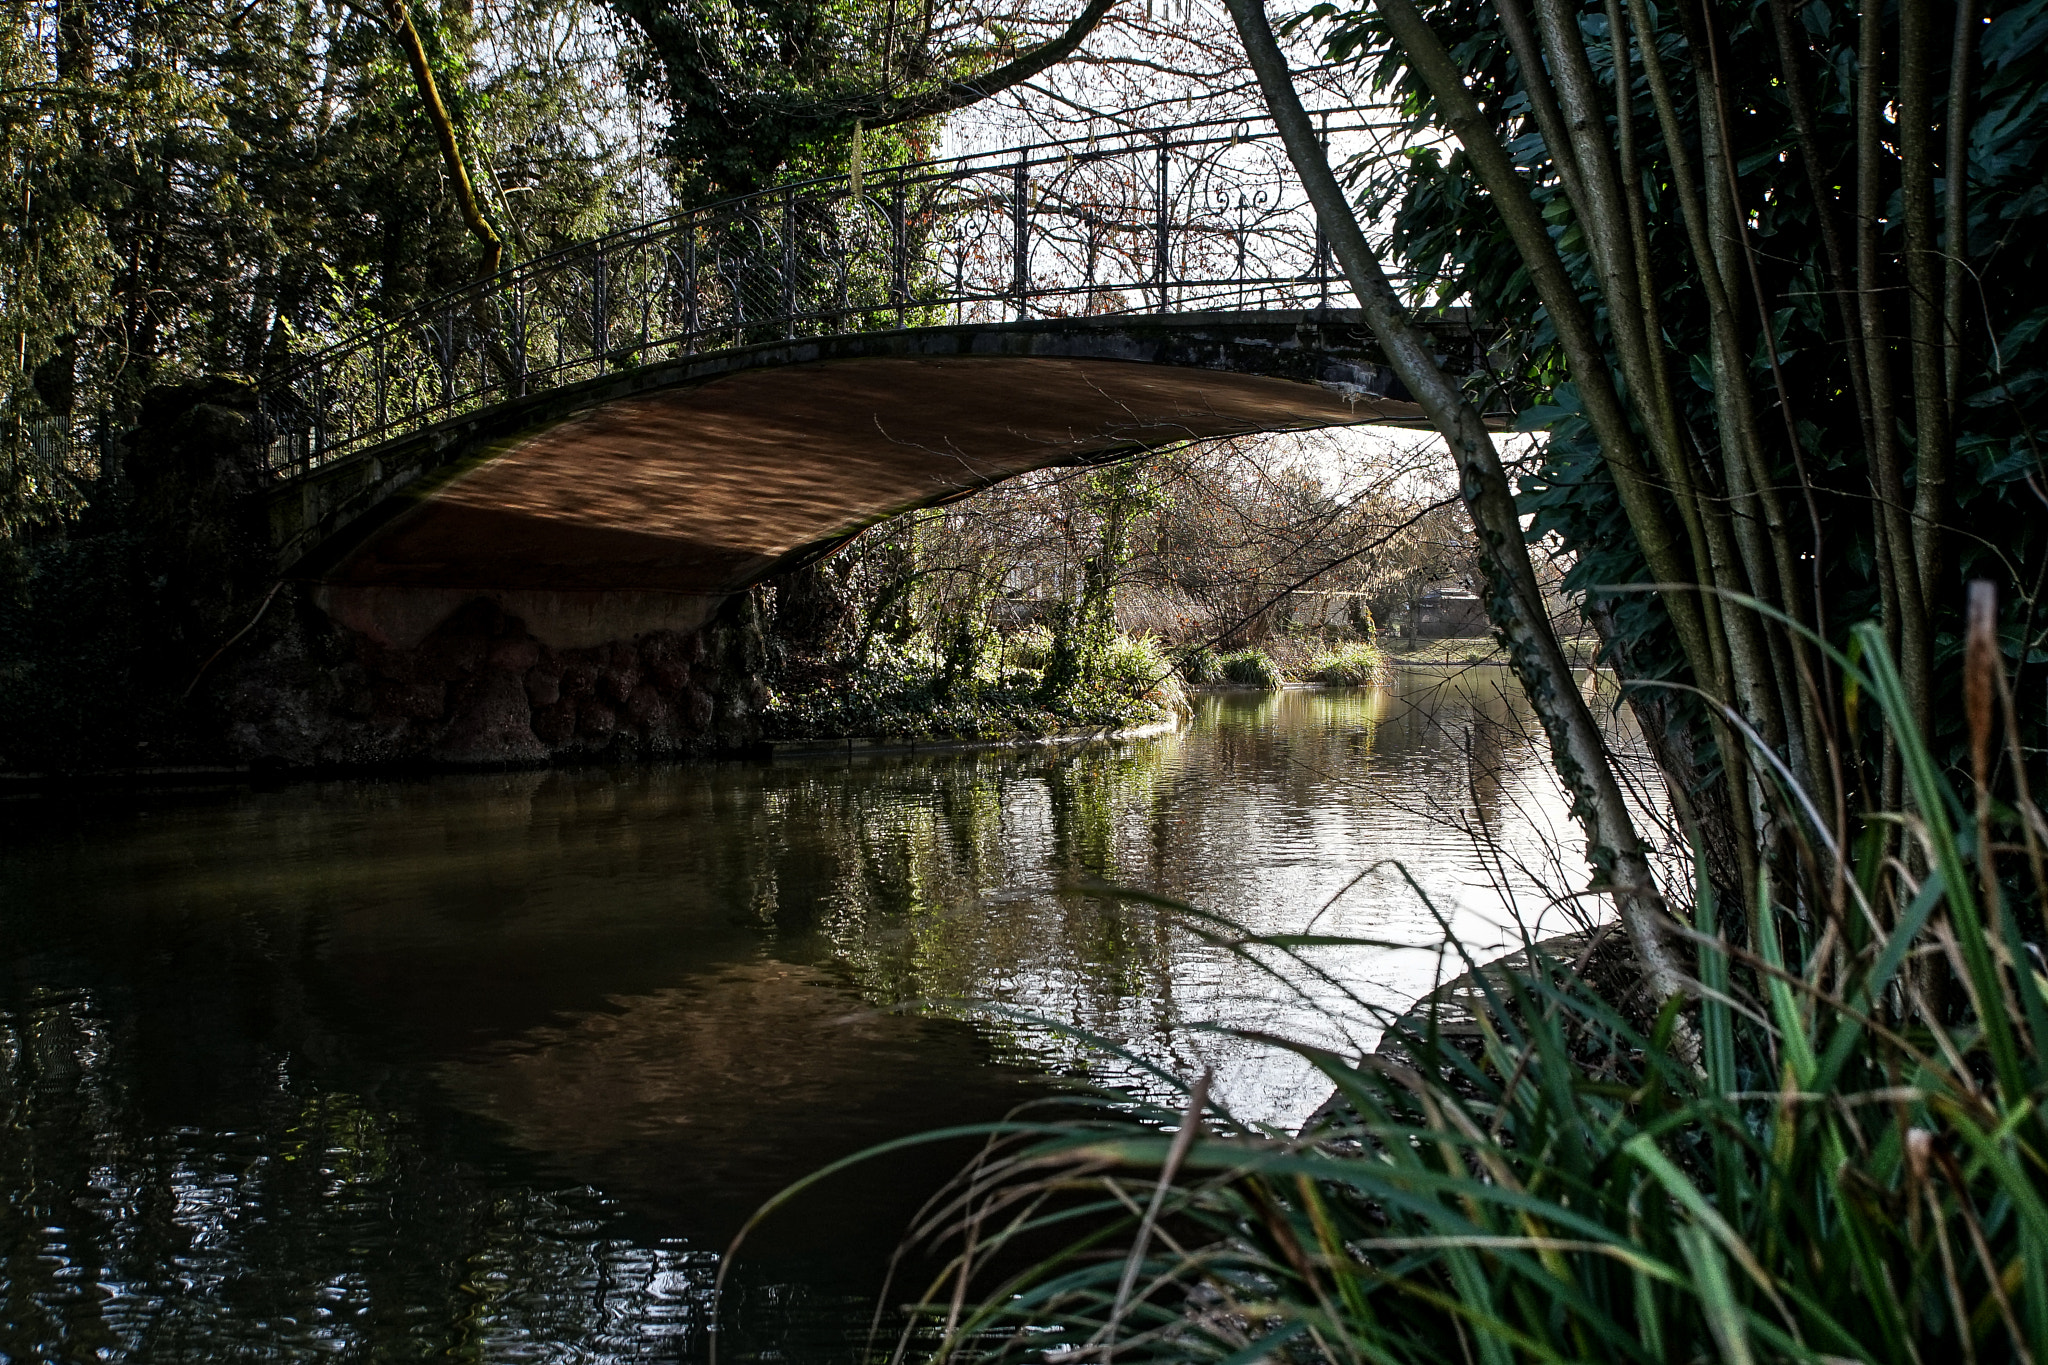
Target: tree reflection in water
x=492, y=1066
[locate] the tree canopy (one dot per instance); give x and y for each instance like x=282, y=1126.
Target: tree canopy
x=195, y=184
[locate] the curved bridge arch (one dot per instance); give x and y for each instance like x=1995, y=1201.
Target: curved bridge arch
x=618, y=436
x=642, y=498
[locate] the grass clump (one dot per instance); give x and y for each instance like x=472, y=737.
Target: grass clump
x=909, y=694
x=1359, y=664
x=1199, y=665
x=1251, y=668
x=1029, y=648
x=1834, y=1147
x=1136, y=664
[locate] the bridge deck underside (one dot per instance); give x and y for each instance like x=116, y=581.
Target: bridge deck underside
x=705, y=489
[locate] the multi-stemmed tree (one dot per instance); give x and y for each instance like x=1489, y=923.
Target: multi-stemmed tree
x=1772, y=274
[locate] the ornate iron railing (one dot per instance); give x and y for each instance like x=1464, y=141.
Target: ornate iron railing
x=1196, y=217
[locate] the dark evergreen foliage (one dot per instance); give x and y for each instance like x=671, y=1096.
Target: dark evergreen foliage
x=1446, y=230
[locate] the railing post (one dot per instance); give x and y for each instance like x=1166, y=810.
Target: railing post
x=1020, y=232
x=600, y=313
x=690, y=295
x=899, y=282
x=446, y=348
x=266, y=427
x=383, y=380
x=317, y=441
x=788, y=263
x=1162, y=243
x=842, y=295
x=519, y=336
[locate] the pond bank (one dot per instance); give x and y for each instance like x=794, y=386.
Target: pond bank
x=876, y=746
x=25, y=784
x=1452, y=1009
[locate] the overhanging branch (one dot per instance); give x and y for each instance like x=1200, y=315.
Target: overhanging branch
x=444, y=132
x=883, y=112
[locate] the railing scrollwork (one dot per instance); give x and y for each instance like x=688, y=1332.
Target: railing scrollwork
x=1200, y=217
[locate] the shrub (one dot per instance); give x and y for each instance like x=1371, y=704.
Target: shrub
x=1136, y=664
x=1251, y=668
x=903, y=695
x=1198, y=664
x=1029, y=648
x=1353, y=665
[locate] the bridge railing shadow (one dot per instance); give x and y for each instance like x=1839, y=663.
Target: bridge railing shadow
x=1198, y=217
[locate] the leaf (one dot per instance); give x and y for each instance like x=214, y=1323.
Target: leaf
x=2019, y=32
x=1541, y=417
x=1702, y=371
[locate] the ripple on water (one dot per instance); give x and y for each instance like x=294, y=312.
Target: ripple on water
x=495, y=1065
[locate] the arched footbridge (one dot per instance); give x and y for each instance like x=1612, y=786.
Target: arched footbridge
x=619, y=436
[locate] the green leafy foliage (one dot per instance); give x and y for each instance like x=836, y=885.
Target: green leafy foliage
x=205, y=189
x=1448, y=234
x=1199, y=664
x=763, y=91
x=1137, y=664
x=907, y=694
x=1029, y=648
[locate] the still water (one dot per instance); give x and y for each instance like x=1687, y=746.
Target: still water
x=493, y=1066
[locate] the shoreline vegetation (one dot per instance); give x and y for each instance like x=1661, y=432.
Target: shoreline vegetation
x=906, y=699
x=1027, y=688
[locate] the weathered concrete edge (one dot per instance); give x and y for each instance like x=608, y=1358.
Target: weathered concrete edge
x=876, y=748
x=35, y=783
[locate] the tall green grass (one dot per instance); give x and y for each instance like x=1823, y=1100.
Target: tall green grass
x=1199, y=664
x=1835, y=1150
x=1138, y=665
x=1251, y=668
x=1358, y=664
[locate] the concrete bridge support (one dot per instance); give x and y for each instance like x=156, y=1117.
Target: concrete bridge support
x=481, y=688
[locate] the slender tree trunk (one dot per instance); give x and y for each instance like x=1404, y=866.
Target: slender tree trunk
x=1923, y=283
x=1790, y=654
x=1906, y=611
x=1955, y=170
x=1792, y=72
x=444, y=133
x=1514, y=597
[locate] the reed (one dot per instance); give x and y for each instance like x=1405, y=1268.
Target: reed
x=1830, y=1147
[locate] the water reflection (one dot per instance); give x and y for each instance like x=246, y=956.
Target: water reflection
x=492, y=1066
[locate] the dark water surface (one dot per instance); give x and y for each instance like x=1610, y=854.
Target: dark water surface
x=492, y=1067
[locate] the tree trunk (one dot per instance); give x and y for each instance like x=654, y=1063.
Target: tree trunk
x=1514, y=598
